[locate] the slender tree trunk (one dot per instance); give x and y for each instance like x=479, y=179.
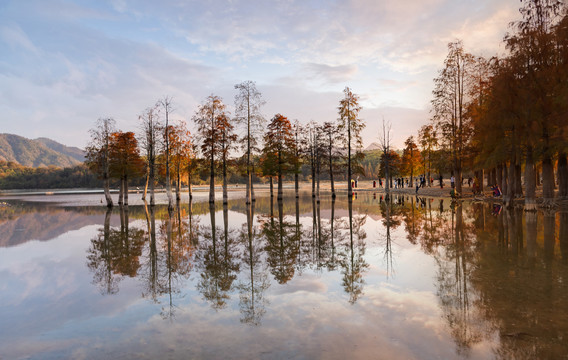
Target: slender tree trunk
x=458, y=180
x=510, y=194
x=296, y=185
x=178, y=183
x=146, y=184
x=331, y=176
x=126, y=190
x=562, y=176
x=189, y=185
x=280, y=165
x=349, y=188
x=518, y=183
x=253, y=198
x=225, y=195
x=121, y=191
x=313, y=165
x=212, y=178
x=505, y=180
x=530, y=184
x=499, y=176
x=106, y=182
x=318, y=178
x=271, y=187
x=152, y=181
x=547, y=179
x=249, y=173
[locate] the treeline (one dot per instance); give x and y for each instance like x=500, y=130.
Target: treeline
x=166, y=152
x=16, y=176
x=491, y=118
x=503, y=119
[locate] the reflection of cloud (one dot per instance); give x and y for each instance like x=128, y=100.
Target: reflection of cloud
x=304, y=283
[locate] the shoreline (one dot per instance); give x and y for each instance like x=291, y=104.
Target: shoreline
x=200, y=193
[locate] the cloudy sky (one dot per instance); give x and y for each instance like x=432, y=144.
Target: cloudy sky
x=65, y=63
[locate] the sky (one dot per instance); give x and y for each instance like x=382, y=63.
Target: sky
x=66, y=63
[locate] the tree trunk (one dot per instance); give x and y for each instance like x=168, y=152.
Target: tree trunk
x=562, y=176
x=271, y=187
x=126, y=190
x=212, y=179
x=146, y=185
x=296, y=185
x=518, y=183
x=458, y=180
x=499, y=176
x=253, y=198
x=510, y=194
x=318, y=180
x=225, y=194
x=505, y=180
x=349, y=188
x=178, y=184
x=313, y=165
x=280, y=191
x=189, y=186
x=121, y=191
x=547, y=179
x=152, y=180
x=530, y=184
x=331, y=173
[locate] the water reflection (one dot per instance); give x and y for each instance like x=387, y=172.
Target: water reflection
x=115, y=253
x=254, y=282
x=497, y=275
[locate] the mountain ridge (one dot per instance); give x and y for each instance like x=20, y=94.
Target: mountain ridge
x=41, y=152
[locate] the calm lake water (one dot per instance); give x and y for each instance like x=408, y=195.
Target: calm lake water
x=413, y=278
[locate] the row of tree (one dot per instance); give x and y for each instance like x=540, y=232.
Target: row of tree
x=279, y=151
x=492, y=117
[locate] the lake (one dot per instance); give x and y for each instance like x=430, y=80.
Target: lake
x=407, y=278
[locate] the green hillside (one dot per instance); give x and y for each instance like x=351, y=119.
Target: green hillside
x=36, y=153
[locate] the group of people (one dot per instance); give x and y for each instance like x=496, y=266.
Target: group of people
x=420, y=182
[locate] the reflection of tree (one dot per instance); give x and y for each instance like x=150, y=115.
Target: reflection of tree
x=115, y=253
x=255, y=282
x=353, y=263
x=167, y=258
x=388, y=223
x=453, y=285
x=178, y=250
x=523, y=289
x=280, y=247
x=150, y=273
x=217, y=261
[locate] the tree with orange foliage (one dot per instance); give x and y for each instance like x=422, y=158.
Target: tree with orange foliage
x=181, y=150
x=124, y=161
x=98, y=153
x=410, y=158
x=278, y=143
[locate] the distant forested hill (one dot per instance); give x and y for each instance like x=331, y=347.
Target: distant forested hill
x=41, y=152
